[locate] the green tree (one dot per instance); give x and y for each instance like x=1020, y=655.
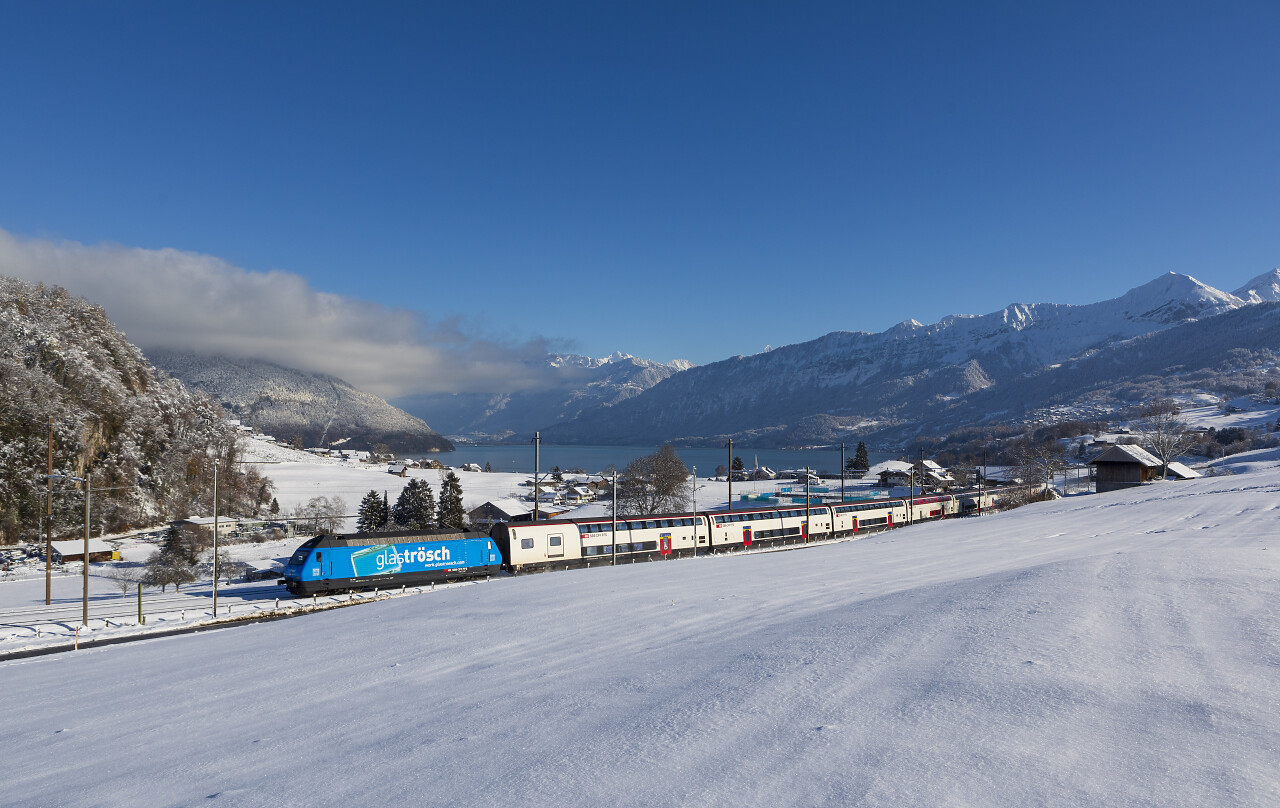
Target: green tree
x=451, y=513
x=860, y=460
x=738, y=464
x=415, y=508
x=175, y=563
x=372, y=515
x=275, y=508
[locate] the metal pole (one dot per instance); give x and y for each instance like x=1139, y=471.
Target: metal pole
x=980, y=481
x=730, y=475
x=215, y=537
x=48, y=533
x=806, y=504
x=695, y=511
x=842, y=472
x=537, y=493
x=87, y=490
x=614, y=540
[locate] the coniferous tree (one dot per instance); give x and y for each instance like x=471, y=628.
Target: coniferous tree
x=371, y=516
x=415, y=509
x=451, y=513
x=737, y=464
x=860, y=460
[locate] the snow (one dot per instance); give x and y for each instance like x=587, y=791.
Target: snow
x=1115, y=649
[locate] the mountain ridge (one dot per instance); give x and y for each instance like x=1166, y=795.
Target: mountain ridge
x=896, y=382
x=291, y=404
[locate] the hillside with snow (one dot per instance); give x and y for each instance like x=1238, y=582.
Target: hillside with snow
x=318, y=410
x=1115, y=649
x=568, y=385
x=914, y=378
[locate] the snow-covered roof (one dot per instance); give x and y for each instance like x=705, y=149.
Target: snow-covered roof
x=1184, y=471
x=1127, y=453
x=890, y=465
x=76, y=547
x=510, y=507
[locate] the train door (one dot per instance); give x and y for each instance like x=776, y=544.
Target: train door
x=746, y=535
x=664, y=544
x=555, y=546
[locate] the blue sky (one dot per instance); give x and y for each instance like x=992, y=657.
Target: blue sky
x=673, y=180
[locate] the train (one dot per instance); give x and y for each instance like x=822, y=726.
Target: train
x=333, y=562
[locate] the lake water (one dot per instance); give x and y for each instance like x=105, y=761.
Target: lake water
x=595, y=459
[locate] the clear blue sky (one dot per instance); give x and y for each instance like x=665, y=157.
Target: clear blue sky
x=685, y=179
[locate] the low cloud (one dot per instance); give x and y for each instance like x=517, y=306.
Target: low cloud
x=184, y=301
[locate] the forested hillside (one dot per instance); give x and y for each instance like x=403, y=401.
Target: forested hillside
x=147, y=444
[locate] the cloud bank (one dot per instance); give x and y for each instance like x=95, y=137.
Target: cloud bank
x=186, y=301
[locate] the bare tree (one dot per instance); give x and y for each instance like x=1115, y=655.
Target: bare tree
x=125, y=578
x=321, y=515
x=1166, y=433
x=1037, y=461
x=655, y=483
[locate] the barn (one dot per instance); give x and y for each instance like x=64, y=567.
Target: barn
x=1125, y=466
x=73, y=550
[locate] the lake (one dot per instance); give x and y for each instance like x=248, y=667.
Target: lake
x=594, y=459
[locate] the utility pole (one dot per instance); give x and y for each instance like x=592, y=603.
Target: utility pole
x=537, y=492
x=215, y=537
x=695, y=511
x=48, y=526
x=614, y=540
x=730, y=475
x=842, y=471
x=806, y=504
x=88, y=471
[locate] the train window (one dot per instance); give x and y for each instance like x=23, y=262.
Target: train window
x=317, y=557
x=555, y=541
x=526, y=544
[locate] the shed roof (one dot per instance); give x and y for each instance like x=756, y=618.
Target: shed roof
x=1183, y=471
x=1127, y=453
x=511, y=507
x=76, y=547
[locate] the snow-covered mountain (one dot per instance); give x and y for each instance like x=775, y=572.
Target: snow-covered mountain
x=287, y=403
x=905, y=380
x=569, y=385
x=1261, y=289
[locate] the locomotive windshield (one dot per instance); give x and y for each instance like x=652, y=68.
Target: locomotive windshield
x=300, y=555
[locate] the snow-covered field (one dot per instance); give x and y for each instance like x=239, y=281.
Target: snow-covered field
x=1119, y=649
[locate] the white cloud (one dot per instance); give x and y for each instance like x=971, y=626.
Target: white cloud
x=186, y=301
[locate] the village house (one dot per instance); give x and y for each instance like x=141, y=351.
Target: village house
x=495, y=511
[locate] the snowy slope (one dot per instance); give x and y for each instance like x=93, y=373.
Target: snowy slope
x=1101, y=650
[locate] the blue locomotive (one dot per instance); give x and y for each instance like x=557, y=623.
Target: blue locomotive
x=329, y=562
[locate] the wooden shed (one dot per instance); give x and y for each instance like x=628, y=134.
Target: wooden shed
x=73, y=550
x=1125, y=466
